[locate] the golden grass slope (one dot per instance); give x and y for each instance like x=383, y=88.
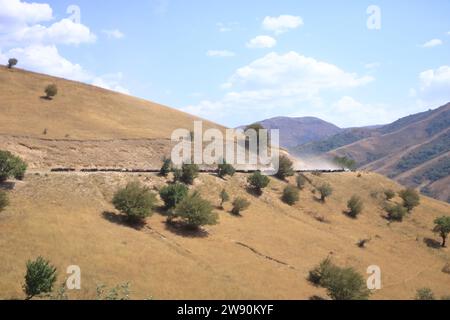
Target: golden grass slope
x=81, y=111
x=62, y=217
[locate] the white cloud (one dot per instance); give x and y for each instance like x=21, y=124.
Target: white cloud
x=113, y=33
x=277, y=84
x=262, y=42
x=434, y=87
x=15, y=13
x=432, y=43
x=282, y=23
x=220, y=53
x=111, y=82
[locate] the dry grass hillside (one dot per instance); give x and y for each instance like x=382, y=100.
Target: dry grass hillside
x=265, y=254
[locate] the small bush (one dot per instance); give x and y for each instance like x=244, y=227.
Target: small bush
x=224, y=197
x=395, y=212
x=51, y=90
x=411, y=198
x=325, y=191
x=166, y=167
x=319, y=272
x=285, y=168
x=239, y=205
x=189, y=172
x=290, y=195
x=389, y=194
x=4, y=201
x=40, y=277
x=225, y=169
x=119, y=292
x=12, y=62
x=442, y=227
x=301, y=181
x=425, y=294
x=177, y=174
x=11, y=166
x=135, y=201
x=173, y=194
x=196, y=212
x=355, y=206
x=258, y=182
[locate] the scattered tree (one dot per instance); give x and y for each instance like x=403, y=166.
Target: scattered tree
x=4, y=201
x=285, y=168
x=224, y=197
x=196, y=212
x=258, y=182
x=166, y=167
x=389, y=194
x=225, y=169
x=11, y=166
x=442, y=227
x=135, y=201
x=325, y=191
x=290, y=195
x=50, y=91
x=173, y=194
x=189, y=172
x=12, y=62
x=40, y=277
x=425, y=294
x=355, y=206
x=239, y=205
x=301, y=181
x=345, y=162
x=411, y=198
x=395, y=212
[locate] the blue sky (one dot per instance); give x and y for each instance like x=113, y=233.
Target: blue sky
x=237, y=62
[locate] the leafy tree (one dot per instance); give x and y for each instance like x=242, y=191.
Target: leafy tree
x=189, y=172
x=11, y=166
x=442, y=227
x=290, y=195
x=166, y=167
x=355, y=206
x=411, y=198
x=345, y=162
x=51, y=90
x=396, y=212
x=389, y=193
x=135, y=201
x=4, y=201
x=196, y=212
x=301, y=181
x=12, y=62
x=224, y=197
x=40, y=277
x=225, y=169
x=325, y=191
x=285, y=168
x=425, y=294
x=239, y=205
x=258, y=182
x=173, y=194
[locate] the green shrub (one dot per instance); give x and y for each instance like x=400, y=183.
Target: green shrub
x=290, y=195
x=225, y=169
x=301, y=181
x=11, y=166
x=258, y=182
x=319, y=272
x=177, y=174
x=135, y=201
x=195, y=212
x=355, y=206
x=389, y=194
x=51, y=90
x=4, y=201
x=239, y=205
x=224, y=197
x=442, y=227
x=166, y=167
x=173, y=194
x=411, y=198
x=119, y=292
x=395, y=212
x=12, y=62
x=189, y=173
x=325, y=191
x=285, y=168
x=425, y=294
x=40, y=277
